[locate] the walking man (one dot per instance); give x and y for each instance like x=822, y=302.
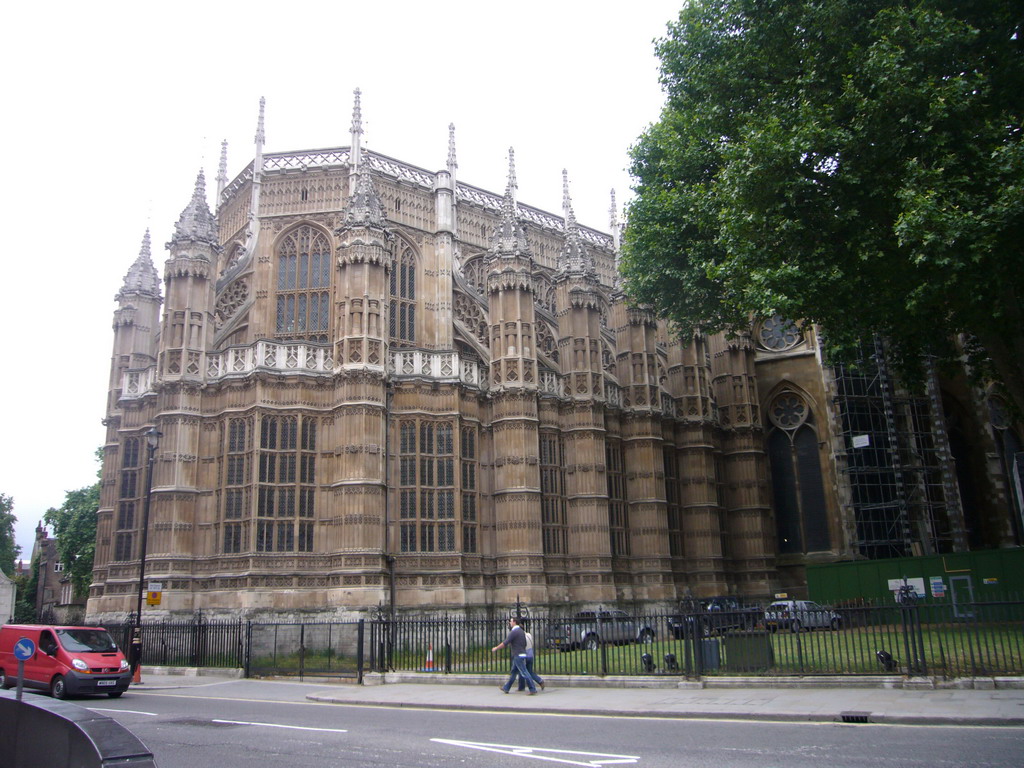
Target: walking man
x=529, y=663
x=515, y=641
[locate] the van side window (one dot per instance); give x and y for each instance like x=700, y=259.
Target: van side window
x=46, y=643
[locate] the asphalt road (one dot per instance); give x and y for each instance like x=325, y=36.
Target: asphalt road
x=250, y=724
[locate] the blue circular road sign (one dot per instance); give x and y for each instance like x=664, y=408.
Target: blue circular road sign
x=24, y=649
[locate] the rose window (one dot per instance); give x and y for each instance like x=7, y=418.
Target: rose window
x=788, y=411
x=777, y=333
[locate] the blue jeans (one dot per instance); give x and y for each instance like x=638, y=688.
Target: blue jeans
x=519, y=668
x=534, y=675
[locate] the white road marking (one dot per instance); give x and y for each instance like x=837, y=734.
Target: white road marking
x=278, y=725
x=540, y=753
x=126, y=711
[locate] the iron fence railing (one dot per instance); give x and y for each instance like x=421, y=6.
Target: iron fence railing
x=326, y=649
x=917, y=638
x=192, y=643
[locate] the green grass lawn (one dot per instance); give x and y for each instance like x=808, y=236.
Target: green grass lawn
x=946, y=649
x=951, y=651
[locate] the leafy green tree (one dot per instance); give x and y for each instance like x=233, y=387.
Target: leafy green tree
x=25, y=602
x=74, y=528
x=9, y=550
x=853, y=163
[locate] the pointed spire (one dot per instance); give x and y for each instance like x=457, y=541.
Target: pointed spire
x=364, y=206
x=260, y=135
x=196, y=222
x=222, y=170
x=575, y=259
x=357, y=132
x=452, y=163
x=613, y=222
x=510, y=234
x=257, y=176
x=510, y=189
x=142, y=276
x=566, y=201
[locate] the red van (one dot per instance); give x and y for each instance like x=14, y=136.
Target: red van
x=68, y=661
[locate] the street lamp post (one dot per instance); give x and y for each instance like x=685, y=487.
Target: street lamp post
x=153, y=436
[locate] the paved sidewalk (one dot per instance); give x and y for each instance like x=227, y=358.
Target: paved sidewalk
x=875, y=700
x=872, y=705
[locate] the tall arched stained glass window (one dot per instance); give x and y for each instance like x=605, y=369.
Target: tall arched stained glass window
x=801, y=519
x=303, y=285
x=402, y=318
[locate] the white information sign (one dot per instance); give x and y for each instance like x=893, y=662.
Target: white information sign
x=916, y=584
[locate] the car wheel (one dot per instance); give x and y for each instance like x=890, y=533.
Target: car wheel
x=6, y=681
x=795, y=626
x=646, y=637
x=59, y=688
x=114, y=694
x=591, y=642
x=835, y=624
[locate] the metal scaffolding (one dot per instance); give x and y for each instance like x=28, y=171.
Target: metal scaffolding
x=897, y=464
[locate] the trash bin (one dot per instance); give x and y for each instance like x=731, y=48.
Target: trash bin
x=710, y=654
x=748, y=652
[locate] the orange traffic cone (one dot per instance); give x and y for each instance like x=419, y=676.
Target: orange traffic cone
x=429, y=666
x=137, y=674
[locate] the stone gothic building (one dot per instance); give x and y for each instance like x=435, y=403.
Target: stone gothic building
x=380, y=385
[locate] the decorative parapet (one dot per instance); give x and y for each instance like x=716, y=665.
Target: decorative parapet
x=137, y=383
x=668, y=406
x=552, y=383
x=437, y=366
x=612, y=394
x=269, y=356
x=399, y=171
x=304, y=358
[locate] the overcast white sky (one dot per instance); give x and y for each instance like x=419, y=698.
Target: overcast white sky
x=111, y=109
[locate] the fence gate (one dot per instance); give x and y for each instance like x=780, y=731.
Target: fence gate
x=328, y=649
x=962, y=594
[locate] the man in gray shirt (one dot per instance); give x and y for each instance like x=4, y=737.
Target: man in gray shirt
x=515, y=641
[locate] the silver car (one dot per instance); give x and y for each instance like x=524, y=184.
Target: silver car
x=589, y=629
x=795, y=615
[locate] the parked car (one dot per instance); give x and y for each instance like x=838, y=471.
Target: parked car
x=588, y=629
x=712, y=615
x=795, y=615
x=66, y=661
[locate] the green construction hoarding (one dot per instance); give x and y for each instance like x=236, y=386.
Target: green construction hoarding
x=995, y=574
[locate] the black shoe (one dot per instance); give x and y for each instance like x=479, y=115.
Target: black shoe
x=502, y=689
x=541, y=684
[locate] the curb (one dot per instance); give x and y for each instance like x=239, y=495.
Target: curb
x=678, y=682
x=849, y=718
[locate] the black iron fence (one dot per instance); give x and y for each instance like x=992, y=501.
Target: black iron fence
x=324, y=649
x=192, y=643
x=917, y=638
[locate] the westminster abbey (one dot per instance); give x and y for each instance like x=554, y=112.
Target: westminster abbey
x=360, y=383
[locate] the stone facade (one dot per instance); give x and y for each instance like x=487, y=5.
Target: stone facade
x=375, y=383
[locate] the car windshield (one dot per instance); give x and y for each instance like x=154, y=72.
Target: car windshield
x=86, y=640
